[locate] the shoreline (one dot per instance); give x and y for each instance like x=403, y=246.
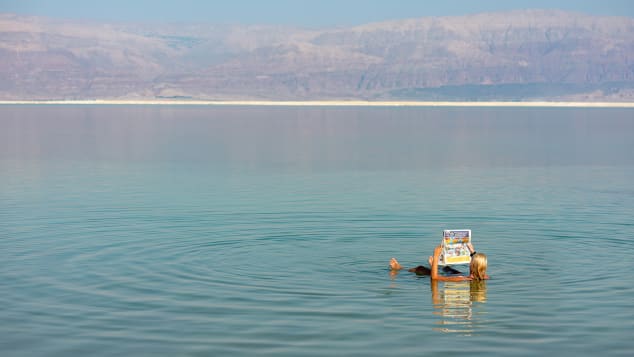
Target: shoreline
x=322, y=103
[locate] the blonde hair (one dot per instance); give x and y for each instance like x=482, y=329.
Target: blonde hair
x=478, y=266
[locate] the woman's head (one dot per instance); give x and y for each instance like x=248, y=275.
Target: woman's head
x=478, y=266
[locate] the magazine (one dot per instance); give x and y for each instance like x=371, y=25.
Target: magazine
x=454, y=247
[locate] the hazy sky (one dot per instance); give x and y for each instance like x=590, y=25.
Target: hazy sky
x=307, y=13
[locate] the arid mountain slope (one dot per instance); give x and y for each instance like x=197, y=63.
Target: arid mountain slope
x=520, y=55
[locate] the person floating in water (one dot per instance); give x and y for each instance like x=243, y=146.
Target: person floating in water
x=477, y=267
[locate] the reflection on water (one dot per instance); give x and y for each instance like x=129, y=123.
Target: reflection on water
x=460, y=305
x=265, y=231
x=317, y=139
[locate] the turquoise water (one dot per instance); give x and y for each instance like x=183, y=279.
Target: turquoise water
x=131, y=230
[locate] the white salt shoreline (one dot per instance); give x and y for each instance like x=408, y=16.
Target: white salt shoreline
x=337, y=103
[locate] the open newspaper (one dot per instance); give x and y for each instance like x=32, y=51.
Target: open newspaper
x=454, y=247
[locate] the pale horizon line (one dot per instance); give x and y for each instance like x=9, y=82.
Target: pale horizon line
x=359, y=103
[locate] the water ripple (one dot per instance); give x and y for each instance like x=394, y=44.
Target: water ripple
x=145, y=257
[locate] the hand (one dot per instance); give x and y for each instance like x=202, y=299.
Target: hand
x=470, y=246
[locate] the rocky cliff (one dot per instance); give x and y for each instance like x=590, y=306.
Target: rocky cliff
x=521, y=55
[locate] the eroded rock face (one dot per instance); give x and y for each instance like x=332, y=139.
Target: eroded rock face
x=513, y=55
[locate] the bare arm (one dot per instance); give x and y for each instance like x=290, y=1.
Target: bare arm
x=434, y=263
x=471, y=249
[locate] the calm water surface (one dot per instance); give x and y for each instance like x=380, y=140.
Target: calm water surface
x=140, y=230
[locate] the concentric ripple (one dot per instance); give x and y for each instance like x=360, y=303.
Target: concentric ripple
x=180, y=236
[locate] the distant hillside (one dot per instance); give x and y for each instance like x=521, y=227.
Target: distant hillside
x=520, y=55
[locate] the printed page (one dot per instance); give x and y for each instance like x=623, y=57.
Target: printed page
x=454, y=244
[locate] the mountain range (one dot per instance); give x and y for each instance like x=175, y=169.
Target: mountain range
x=519, y=55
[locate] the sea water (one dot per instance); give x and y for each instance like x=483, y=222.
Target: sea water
x=194, y=230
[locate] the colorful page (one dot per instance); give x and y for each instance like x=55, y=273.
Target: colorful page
x=454, y=247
